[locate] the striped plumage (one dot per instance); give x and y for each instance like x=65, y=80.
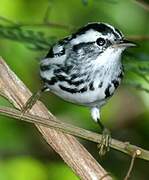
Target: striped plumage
x=85, y=68
x=79, y=70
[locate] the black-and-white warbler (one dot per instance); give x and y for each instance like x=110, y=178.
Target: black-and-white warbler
x=85, y=68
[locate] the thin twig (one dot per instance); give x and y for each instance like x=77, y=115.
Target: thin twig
x=138, y=37
x=46, y=15
x=73, y=130
x=142, y=4
x=135, y=154
x=8, y=21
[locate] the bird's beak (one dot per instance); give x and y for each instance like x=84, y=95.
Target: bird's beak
x=124, y=43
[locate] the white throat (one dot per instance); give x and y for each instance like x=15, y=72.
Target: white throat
x=111, y=55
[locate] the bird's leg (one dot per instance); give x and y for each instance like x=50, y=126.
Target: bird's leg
x=104, y=145
x=32, y=100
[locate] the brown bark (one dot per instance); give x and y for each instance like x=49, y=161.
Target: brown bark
x=71, y=151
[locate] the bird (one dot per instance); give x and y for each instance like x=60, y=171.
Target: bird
x=85, y=68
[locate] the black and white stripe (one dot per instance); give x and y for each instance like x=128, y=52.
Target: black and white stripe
x=73, y=90
x=72, y=68
x=58, y=53
x=102, y=28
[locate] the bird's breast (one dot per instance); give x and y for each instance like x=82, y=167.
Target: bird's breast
x=88, y=94
x=88, y=85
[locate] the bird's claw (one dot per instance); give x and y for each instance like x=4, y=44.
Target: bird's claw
x=28, y=105
x=32, y=100
x=104, y=145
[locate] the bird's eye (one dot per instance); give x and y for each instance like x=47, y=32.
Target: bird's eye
x=100, y=41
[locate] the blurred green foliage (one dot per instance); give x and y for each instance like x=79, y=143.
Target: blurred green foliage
x=23, y=168
x=27, y=30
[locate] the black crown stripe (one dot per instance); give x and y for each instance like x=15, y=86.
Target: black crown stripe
x=100, y=27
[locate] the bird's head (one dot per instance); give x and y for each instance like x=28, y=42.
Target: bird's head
x=98, y=40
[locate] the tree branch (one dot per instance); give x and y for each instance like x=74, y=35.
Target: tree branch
x=135, y=154
x=142, y=4
x=51, y=122
x=138, y=37
x=72, y=152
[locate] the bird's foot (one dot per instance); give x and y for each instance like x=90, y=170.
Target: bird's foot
x=29, y=104
x=104, y=145
x=32, y=100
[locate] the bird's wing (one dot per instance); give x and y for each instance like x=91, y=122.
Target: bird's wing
x=57, y=52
